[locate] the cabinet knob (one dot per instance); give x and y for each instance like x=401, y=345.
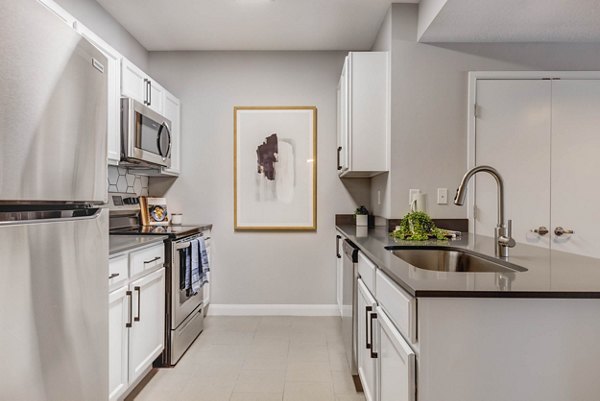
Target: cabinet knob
x=541, y=230
x=559, y=231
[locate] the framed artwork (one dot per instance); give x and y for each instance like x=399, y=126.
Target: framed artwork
x=275, y=168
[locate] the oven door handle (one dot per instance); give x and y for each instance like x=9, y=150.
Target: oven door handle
x=186, y=244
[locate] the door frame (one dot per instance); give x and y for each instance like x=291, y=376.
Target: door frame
x=473, y=77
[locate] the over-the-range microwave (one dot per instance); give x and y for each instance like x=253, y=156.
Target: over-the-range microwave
x=145, y=135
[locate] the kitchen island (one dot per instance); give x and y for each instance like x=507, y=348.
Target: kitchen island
x=472, y=336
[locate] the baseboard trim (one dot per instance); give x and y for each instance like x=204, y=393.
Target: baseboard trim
x=272, y=310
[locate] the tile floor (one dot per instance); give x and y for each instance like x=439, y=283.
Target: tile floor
x=259, y=359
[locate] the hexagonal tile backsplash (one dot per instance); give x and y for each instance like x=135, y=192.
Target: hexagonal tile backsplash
x=121, y=180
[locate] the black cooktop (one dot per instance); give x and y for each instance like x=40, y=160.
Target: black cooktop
x=171, y=231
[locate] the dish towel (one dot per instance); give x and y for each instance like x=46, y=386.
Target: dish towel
x=196, y=267
x=204, y=263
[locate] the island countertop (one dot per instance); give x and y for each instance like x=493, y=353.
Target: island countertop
x=550, y=274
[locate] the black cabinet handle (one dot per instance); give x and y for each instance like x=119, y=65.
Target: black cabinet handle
x=339, y=166
x=373, y=317
x=145, y=91
x=367, y=331
x=152, y=260
x=130, y=295
x=137, y=318
x=113, y=275
x=337, y=246
x=149, y=93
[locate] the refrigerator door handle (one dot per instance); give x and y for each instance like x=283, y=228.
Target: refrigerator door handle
x=35, y=217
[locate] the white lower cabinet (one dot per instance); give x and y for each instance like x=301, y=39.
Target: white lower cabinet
x=136, y=319
x=366, y=354
x=146, y=337
x=118, y=334
x=395, y=362
x=339, y=271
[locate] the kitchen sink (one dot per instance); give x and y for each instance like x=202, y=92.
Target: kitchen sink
x=453, y=260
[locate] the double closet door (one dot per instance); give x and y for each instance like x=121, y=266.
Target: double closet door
x=543, y=136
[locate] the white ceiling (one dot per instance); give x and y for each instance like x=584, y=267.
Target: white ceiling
x=251, y=24
x=516, y=21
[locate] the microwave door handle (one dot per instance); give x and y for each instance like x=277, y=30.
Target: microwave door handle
x=162, y=129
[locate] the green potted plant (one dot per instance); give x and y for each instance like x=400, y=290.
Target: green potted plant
x=362, y=216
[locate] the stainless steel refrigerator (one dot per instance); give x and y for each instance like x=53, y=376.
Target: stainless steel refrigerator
x=53, y=227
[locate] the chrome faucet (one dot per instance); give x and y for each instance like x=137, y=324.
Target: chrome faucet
x=502, y=233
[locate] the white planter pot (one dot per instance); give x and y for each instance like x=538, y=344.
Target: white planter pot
x=362, y=220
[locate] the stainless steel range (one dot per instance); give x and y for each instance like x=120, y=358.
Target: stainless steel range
x=184, y=311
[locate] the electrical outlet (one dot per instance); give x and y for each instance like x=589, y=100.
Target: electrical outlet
x=442, y=196
x=412, y=193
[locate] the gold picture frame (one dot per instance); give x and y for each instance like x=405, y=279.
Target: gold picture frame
x=241, y=165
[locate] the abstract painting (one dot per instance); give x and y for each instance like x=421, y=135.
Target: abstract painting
x=275, y=168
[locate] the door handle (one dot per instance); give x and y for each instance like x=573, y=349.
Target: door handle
x=337, y=246
x=130, y=296
x=339, y=150
x=540, y=230
x=367, y=331
x=373, y=317
x=137, y=318
x=559, y=231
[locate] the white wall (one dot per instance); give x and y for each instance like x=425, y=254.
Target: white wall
x=92, y=15
x=256, y=268
x=429, y=105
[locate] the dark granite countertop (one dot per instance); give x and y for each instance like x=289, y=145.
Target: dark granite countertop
x=123, y=243
x=550, y=274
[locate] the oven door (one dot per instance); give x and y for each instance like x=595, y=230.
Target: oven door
x=182, y=304
x=146, y=134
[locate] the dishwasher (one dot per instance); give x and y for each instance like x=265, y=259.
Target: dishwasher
x=349, y=300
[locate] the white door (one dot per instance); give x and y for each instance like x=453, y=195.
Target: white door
x=365, y=357
x=146, y=337
x=396, y=362
x=118, y=332
x=576, y=165
x=156, y=98
x=133, y=82
x=512, y=134
x=113, y=70
x=339, y=270
x=173, y=113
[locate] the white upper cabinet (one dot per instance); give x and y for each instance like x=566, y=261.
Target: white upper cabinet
x=172, y=112
x=136, y=84
x=364, y=115
x=113, y=70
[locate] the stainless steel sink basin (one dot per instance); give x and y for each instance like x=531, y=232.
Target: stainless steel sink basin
x=452, y=260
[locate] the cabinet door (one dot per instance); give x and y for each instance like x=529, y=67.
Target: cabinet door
x=512, y=134
x=113, y=71
x=133, y=82
x=343, y=137
x=339, y=288
x=119, y=316
x=365, y=358
x=156, y=98
x=575, y=165
x=146, y=337
x=396, y=362
x=173, y=113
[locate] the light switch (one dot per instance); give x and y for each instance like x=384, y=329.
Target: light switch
x=442, y=196
x=412, y=194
